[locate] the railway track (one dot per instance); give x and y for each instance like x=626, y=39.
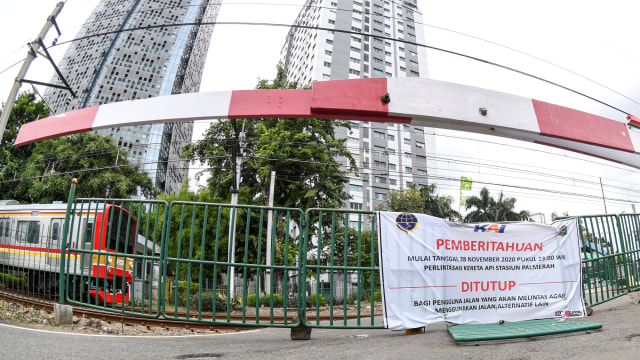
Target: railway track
x=231, y=322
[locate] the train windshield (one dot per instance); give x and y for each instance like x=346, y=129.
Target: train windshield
x=121, y=231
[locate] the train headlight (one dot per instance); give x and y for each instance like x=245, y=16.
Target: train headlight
x=130, y=264
x=109, y=259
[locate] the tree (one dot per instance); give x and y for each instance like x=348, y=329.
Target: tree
x=12, y=158
x=489, y=209
x=436, y=205
x=407, y=200
x=423, y=200
x=89, y=157
x=302, y=152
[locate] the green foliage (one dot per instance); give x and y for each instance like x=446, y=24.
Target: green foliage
x=486, y=208
x=12, y=282
x=266, y=300
x=420, y=200
x=251, y=300
x=206, y=302
x=302, y=152
x=13, y=159
x=45, y=169
x=314, y=298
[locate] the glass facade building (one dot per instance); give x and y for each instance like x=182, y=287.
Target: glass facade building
x=137, y=49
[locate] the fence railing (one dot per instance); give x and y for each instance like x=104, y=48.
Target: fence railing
x=242, y=265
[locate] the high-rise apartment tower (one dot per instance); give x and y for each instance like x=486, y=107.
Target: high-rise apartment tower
x=366, y=39
x=137, y=49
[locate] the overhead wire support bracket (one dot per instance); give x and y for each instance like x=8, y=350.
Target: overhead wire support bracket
x=55, y=67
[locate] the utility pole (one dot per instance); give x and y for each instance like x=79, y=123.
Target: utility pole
x=33, y=48
x=603, y=200
x=267, y=278
x=236, y=159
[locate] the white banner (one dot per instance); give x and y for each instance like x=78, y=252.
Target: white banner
x=433, y=270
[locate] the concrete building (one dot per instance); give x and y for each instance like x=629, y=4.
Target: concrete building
x=367, y=39
x=137, y=49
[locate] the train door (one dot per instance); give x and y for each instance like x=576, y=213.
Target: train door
x=5, y=232
x=87, y=244
x=55, y=237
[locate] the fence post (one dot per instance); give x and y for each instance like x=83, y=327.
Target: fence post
x=63, y=245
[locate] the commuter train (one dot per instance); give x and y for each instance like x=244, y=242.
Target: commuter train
x=98, y=262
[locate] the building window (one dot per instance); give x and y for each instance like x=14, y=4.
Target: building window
x=407, y=155
x=378, y=149
x=328, y=52
x=418, y=131
x=392, y=181
x=380, y=180
x=421, y=172
x=356, y=188
x=378, y=41
x=378, y=71
x=391, y=151
x=355, y=206
x=355, y=49
x=381, y=196
x=392, y=137
x=379, y=164
x=327, y=64
x=406, y=127
x=326, y=77
x=407, y=141
x=353, y=38
x=378, y=135
x=407, y=169
x=329, y=41
x=332, y=21
x=378, y=61
x=392, y=166
x=421, y=159
x=354, y=72
x=419, y=144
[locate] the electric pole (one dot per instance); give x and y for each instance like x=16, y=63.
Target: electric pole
x=33, y=48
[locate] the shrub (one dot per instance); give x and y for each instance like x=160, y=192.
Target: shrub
x=312, y=298
x=12, y=282
x=251, y=300
x=266, y=300
x=207, y=302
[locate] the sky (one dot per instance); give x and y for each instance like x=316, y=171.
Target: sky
x=588, y=46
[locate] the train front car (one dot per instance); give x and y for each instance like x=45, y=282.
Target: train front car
x=112, y=264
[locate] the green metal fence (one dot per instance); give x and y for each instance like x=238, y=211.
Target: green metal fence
x=113, y=255
x=610, y=247
x=226, y=264
x=341, y=255
x=199, y=241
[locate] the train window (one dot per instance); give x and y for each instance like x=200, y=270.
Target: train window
x=7, y=228
x=55, y=231
x=88, y=234
x=28, y=231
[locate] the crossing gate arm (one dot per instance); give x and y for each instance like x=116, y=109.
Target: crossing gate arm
x=415, y=101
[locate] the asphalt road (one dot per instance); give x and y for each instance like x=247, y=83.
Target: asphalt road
x=619, y=338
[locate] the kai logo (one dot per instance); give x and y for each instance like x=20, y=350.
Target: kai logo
x=490, y=228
